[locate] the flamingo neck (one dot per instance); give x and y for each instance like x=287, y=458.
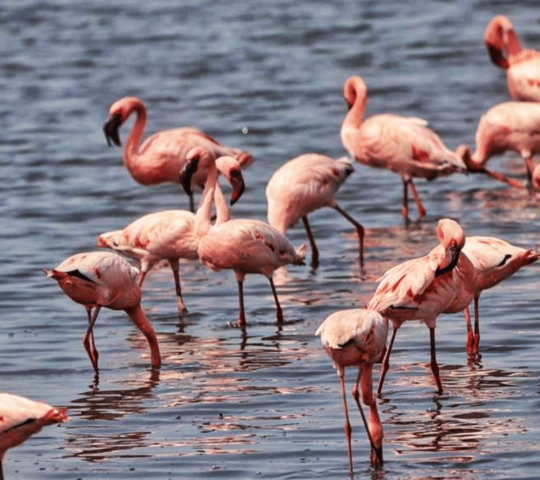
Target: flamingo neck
x=222, y=210
x=204, y=212
x=140, y=319
x=512, y=43
x=133, y=141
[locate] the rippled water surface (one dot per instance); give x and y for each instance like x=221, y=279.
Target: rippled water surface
x=266, y=77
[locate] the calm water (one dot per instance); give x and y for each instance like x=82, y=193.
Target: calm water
x=267, y=77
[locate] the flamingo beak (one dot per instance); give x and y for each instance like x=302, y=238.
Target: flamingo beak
x=497, y=56
x=110, y=128
x=238, y=185
x=187, y=174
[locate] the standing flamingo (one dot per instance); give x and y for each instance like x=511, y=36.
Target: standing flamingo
x=401, y=144
x=242, y=245
x=522, y=66
x=494, y=260
x=421, y=289
x=20, y=418
x=357, y=337
x=303, y=185
x=169, y=234
x=163, y=154
x=104, y=279
x=508, y=126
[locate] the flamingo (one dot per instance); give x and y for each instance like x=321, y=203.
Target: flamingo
x=522, y=66
x=169, y=234
x=242, y=245
x=443, y=281
x=163, y=154
x=303, y=185
x=507, y=126
x=104, y=279
x=357, y=337
x=495, y=260
x=20, y=418
x=403, y=145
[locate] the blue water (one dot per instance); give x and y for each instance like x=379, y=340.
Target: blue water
x=266, y=77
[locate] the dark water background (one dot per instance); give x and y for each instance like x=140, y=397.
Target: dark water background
x=267, y=77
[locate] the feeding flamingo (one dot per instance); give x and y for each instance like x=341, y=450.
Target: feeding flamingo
x=242, y=245
x=104, y=279
x=163, y=154
x=522, y=66
x=494, y=260
x=508, y=126
x=20, y=418
x=403, y=145
x=443, y=281
x=303, y=185
x=357, y=337
x=169, y=234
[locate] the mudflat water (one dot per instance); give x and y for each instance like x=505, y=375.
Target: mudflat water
x=266, y=77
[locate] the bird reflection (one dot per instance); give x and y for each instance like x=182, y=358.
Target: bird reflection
x=89, y=440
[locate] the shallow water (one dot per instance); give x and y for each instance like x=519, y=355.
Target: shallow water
x=266, y=404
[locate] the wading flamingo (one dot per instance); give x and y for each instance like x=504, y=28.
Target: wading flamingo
x=242, y=245
x=443, y=281
x=401, y=144
x=494, y=260
x=163, y=154
x=303, y=185
x=357, y=338
x=508, y=126
x=169, y=234
x=522, y=66
x=104, y=279
x=20, y=418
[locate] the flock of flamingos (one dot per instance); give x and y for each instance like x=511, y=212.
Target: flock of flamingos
x=446, y=280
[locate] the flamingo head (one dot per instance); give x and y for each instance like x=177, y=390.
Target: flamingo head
x=197, y=159
x=118, y=114
x=230, y=168
x=110, y=128
x=353, y=88
x=496, y=39
x=452, y=238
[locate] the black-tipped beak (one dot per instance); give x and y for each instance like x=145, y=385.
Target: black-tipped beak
x=110, y=128
x=187, y=174
x=497, y=56
x=238, y=187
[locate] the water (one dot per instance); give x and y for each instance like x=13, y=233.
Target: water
x=266, y=77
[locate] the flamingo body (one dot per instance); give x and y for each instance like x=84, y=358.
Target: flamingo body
x=357, y=337
x=104, y=279
x=20, y=418
x=522, y=66
x=508, y=126
x=404, y=145
x=443, y=281
x=161, y=156
x=303, y=185
x=494, y=260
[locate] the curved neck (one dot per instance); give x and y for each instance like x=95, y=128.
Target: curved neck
x=355, y=115
x=511, y=41
x=212, y=192
x=133, y=141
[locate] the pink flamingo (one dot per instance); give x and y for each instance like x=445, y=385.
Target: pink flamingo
x=163, y=154
x=508, y=126
x=303, y=185
x=357, y=337
x=104, y=279
x=401, y=144
x=20, y=418
x=169, y=234
x=522, y=66
x=242, y=245
x=443, y=281
x=494, y=260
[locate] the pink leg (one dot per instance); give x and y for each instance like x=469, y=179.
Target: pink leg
x=314, y=249
x=359, y=231
x=434, y=364
x=279, y=311
x=386, y=361
x=419, y=204
x=470, y=334
x=348, y=429
x=88, y=339
x=476, y=325
x=175, y=267
x=241, y=322
x=405, y=208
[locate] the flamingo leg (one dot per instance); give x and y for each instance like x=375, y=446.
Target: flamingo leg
x=356, y=396
x=434, y=364
x=419, y=204
x=501, y=178
x=241, y=322
x=175, y=267
x=142, y=276
x=314, y=249
x=279, y=311
x=1, y=470
x=405, y=208
x=476, y=324
x=359, y=231
x=470, y=334
x=529, y=163
x=386, y=361
x=348, y=429
x=88, y=339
